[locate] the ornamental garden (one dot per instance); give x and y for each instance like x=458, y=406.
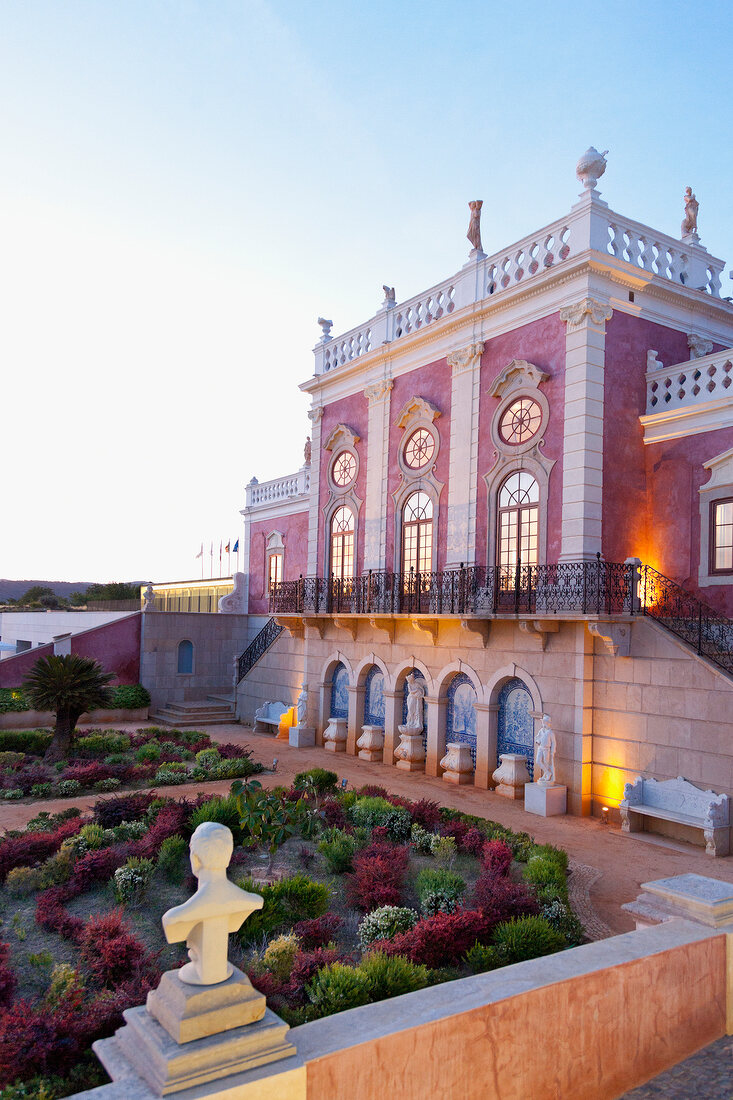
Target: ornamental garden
x=366, y=895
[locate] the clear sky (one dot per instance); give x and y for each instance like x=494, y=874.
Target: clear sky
x=187, y=184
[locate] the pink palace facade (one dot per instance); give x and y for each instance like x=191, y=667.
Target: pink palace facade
x=519, y=485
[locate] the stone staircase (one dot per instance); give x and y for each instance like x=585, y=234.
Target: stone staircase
x=214, y=710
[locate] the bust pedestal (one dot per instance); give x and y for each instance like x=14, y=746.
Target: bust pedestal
x=302, y=737
x=410, y=753
x=457, y=763
x=371, y=743
x=334, y=735
x=511, y=775
x=546, y=799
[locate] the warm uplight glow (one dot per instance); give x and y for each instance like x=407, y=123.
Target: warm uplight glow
x=604, y=815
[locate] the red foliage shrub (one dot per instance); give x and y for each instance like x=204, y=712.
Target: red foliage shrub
x=473, y=841
x=500, y=899
x=318, y=931
x=28, y=1042
x=333, y=813
x=292, y=794
x=98, y=866
x=51, y=913
x=308, y=963
x=31, y=848
x=87, y=773
x=233, y=752
x=440, y=940
x=496, y=857
x=8, y=980
x=456, y=828
x=380, y=834
x=27, y=778
x=371, y=790
x=109, y=950
x=379, y=876
x=425, y=813
x=169, y=821
x=109, y=812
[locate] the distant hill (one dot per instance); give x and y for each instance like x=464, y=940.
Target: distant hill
x=10, y=590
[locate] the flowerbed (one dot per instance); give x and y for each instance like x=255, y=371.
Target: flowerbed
x=105, y=760
x=370, y=896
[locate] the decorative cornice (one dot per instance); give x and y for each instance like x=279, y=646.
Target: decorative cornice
x=341, y=434
x=517, y=373
x=378, y=390
x=417, y=408
x=575, y=315
x=315, y=414
x=699, y=345
x=465, y=359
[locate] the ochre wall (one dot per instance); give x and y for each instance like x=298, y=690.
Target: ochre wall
x=294, y=529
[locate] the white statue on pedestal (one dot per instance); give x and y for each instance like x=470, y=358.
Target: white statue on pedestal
x=544, y=760
x=689, y=224
x=415, y=696
x=217, y=908
x=302, y=705
x=149, y=597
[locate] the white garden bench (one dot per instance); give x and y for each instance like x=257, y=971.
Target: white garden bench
x=679, y=801
x=270, y=714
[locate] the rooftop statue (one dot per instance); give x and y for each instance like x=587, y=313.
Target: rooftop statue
x=307, y=451
x=591, y=167
x=326, y=327
x=474, y=226
x=389, y=295
x=217, y=908
x=689, y=225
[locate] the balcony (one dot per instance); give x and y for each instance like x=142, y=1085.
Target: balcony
x=688, y=398
x=263, y=494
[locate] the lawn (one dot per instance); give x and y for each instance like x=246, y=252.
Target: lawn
x=366, y=896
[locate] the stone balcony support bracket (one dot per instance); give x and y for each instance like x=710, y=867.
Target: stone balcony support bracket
x=481, y=627
x=539, y=629
x=429, y=627
x=615, y=636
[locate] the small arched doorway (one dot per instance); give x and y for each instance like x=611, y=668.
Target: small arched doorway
x=339, y=692
x=515, y=732
x=460, y=713
x=185, y=657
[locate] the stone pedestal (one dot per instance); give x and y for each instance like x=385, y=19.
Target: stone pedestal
x=371, y=744
x=546, y=799
x=693, y=897
x=457, y=763
x=189, y=1012
x=302, y=737
x=511, y=775
x=335, y=734
x=410, y=753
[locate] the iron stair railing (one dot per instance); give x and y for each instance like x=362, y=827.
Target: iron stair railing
x=259, y=645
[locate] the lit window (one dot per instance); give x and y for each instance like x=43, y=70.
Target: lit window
x=275, y=569
x=419, y=449
x=344, y=469
x=721, y=523
x=518, y=521
x=417, y=534
x=342, y=544
x=520, y=421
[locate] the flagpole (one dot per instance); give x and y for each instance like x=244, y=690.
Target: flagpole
x=211, y=560
x=201, y=555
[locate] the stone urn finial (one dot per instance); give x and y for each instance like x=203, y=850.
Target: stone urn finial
x=591, y=167
x=326, y=327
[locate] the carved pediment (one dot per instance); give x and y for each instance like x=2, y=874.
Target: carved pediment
x=417, y=408
x=519, y=374
x=341, y=436
x=721, y=468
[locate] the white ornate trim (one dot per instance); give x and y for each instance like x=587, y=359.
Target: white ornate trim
x=720, y=484
x=341, y=435
x=575, y=315
x=699, y=346
x=417, y=409
x=465, y=359
x=377, y=391
x=315, y=413
x=519, y=374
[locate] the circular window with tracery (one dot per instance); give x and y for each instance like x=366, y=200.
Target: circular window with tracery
x=419, y=449
x=520, y=421
x=344, y=469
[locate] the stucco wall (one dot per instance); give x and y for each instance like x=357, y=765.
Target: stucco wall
x=115, y=645
x=277, y=677
x=294, y=529
x=353, y=412
x=217, y=640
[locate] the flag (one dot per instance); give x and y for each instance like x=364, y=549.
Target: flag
x=226, y=548
x=236, y=547
x=201, y=551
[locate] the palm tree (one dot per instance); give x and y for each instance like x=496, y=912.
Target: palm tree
x=67, y=685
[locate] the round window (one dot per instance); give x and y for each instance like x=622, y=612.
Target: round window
x=344, y=469
x=520, y=421
x=419, y=449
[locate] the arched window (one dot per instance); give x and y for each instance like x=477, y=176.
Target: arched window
x=185, y=657
x=340, y=692
x=342, y=543
x=518, y=527
x=374, y=697
x=417, y=533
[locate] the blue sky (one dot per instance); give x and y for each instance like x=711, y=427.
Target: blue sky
x=186, y=186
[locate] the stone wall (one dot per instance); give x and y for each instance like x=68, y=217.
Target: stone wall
x=217, y=640
x=277, y=677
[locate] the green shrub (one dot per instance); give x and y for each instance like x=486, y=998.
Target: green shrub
x=239, y=768
x=34, y=742
x=100, y=743
x=23, y=880
x=421, y=839
x=131, y=881
x=207, y=758
x=322, y=779
x=336, y=988
x=41, y=790
x=130, y=830
x=370, y=811
x=480, y=958
x=110, y=784
x=9, y=759
x=391, y=977
x=65, y=788
x=338, y=849
x=527, y=938
x=57, y=869
x=170, y=857
x=12, y=793
x=443, y=849
x=148, y=753
x=284, y=903
x=439, y=891
x=385, y=923
x=64, y=981
x=116, y=758
x=543, y=872
x=193, y=737
x=12, y=700
x=170, y=774
x=130, y=697
x=563, y=920
x=223, y=810
x=551, y=853
x=280, y=955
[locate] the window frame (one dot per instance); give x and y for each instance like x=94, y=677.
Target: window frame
x=712, y=544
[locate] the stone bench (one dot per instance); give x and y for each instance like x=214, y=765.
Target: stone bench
x=679, y=801
x=270, y=714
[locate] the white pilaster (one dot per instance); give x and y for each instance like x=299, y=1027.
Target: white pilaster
x=315, y=414
x=375, y=505
x=463, y=455
x=582, y=486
